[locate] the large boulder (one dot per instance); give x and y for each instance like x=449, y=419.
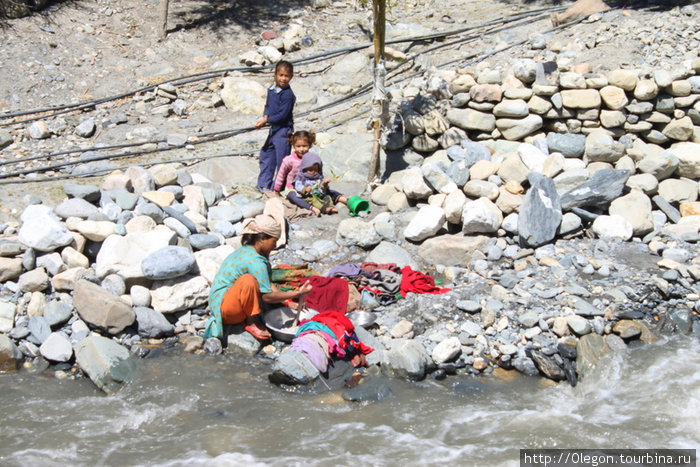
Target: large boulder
x=152, y=324
x=604, y=186
x=540, y=212
x=635, y=207
x=387, y=252
x=481, y=216
x=406, y=358
x=168, y=263
x=243, y=95
x=688, y=155
x=356, y=231
x=41, y=229
x=124, y=255
x=426, y=223
x=451, y=250
x=293, y=367
x=108, y=364
x=10, y=355
x=98, y=307
x=179, y=294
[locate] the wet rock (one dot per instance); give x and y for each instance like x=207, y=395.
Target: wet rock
x=590, y=349
x=293, y=368
x=108, y=364
x=547, y=366
x=406, y=359
x=371, y=388
x=240, y=341
x=10, y=355
x=212, y=346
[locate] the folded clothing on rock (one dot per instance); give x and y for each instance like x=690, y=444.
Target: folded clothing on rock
x=315, y=347
x=417, y=282
x=327, y=294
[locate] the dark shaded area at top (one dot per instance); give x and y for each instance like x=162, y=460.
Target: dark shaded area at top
x=260, y=14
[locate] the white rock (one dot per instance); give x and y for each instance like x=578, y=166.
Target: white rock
x=183, y=293
x=614, y=227
x=426, y=223
x=124, y=255
x=243, y=95
x=414, y=185
x=447, y=350
x=481, y=216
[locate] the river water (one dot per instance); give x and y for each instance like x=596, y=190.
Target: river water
x=185, y=410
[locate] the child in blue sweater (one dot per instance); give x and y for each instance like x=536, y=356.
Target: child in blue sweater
x=278, y=113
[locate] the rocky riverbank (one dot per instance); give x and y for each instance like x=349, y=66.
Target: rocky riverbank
x=556, y=197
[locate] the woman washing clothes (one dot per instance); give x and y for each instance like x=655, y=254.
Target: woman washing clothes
x=243, y=283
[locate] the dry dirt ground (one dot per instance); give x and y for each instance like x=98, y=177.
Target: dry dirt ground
x=89, y=49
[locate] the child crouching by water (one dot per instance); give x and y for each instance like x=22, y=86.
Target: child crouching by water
x=311, y=190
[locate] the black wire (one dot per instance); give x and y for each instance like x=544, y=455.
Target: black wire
x=66, y=108
x=226, y=134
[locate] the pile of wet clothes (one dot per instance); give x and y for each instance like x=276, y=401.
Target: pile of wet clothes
x=351, y=286
x=330, y=335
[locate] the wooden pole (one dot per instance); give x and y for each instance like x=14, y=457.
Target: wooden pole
x=379, y=95
x=163, y=26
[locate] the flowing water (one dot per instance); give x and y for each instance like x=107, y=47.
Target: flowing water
x=193, y=410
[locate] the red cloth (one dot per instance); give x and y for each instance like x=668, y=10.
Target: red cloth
x=415, y=281
x=337, y=322
x=328, y=294
x=344, y=331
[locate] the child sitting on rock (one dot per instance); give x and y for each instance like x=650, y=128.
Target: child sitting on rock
x=301, y=142
x=312, y=190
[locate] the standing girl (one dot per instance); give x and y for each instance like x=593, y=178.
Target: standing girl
x=278, y=114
